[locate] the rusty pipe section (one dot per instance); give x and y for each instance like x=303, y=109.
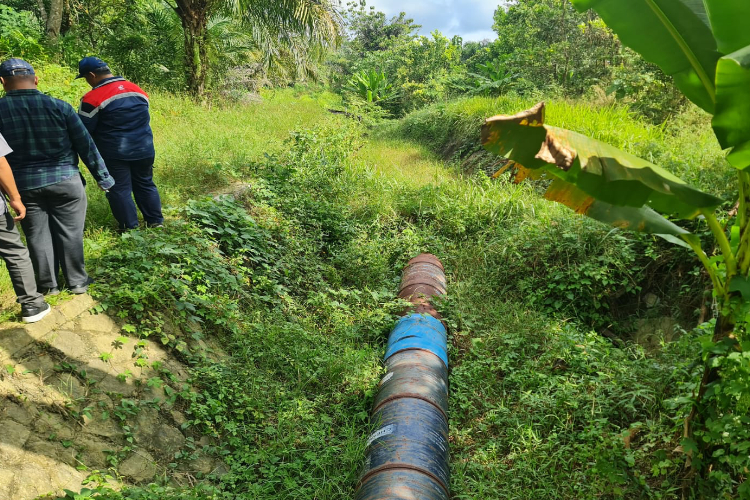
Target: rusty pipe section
x=407, y=455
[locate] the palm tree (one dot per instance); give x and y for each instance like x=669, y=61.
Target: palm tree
x=298, y=27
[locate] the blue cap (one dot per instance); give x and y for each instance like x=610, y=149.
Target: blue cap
x=89, y=64
x=16, y=67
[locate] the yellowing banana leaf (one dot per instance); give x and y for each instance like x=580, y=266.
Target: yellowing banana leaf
x=673, y=34
x=731, y=120
x=641, y=219
x=601, y=171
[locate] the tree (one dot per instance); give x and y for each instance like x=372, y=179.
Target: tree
x=50, y=14
x=54, y=18
x=297, y=25
x=705, y=47
x=547, y=42
x=370, y=30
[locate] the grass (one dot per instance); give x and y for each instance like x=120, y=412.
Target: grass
x=202, y=149
x=199, y=150
x=295, y=280
x=685, y=146
x=402, y=161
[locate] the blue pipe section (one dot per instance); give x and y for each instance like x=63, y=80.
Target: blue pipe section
x=406, y=456
x=419, y=331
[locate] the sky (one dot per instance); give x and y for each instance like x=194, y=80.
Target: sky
x=470, y=19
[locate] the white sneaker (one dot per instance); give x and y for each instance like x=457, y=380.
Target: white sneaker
x=31, y=314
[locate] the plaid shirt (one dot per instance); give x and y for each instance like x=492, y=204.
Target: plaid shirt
x=47, y=137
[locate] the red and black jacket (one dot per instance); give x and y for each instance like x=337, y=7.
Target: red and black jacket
x=116, y=114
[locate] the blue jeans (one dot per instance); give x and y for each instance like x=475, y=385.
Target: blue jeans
x=134, y=177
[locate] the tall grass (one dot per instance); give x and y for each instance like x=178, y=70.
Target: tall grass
x=199, y=149
x=685, y=145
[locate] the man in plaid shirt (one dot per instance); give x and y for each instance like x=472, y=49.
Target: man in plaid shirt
x=47, y=137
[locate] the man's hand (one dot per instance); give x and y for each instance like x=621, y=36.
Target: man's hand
x=19, y=208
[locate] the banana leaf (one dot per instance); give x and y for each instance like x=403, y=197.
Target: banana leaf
x=599, y=170
x=704, y=45
x=641, y=219
x=728, y=20
x=673, y=34
x=731, y=121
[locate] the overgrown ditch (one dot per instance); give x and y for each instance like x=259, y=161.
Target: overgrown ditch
x=295, y=278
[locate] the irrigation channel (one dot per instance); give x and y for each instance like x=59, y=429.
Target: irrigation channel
x=407, y=455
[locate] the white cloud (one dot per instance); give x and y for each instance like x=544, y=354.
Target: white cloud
x=472, y=19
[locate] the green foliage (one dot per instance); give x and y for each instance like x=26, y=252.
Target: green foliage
x=59, y=82
x=418, y=67
x=725, y=437
x=548, y=43
x=371, y=31
x=492, y=79
x=681, y=42
x=542, y=46
x=559, y=414
x=147, y=46
x=293, y=280
x=20, y=35
x=592, y=177
x=370, y=86
x=294, y=335
x=574, y=273
x=168, y=277
x=645, y=88
x=685, y=146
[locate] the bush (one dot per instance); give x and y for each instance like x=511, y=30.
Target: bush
x=21, y=35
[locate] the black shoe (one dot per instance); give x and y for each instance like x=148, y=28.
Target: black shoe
x=50, y=291
x=32, y=314
x=154, y=224
x=78, y=290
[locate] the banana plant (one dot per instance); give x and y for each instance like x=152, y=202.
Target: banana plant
x=492, y=78
x=705, y=46
x=371, y=86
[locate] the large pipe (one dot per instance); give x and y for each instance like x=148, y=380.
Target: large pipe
x=407, y=454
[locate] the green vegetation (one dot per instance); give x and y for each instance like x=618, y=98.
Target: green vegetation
x=294, y=279
x=609, y=185
x=577, y=349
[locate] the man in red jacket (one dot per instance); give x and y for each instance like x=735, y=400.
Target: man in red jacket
x=116, y=114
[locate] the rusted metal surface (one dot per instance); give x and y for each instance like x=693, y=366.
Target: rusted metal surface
x=425, y=274
x=422, y=358
x=426, y=257
x=422, y=279
x=414, y=381
x=400, y=484
x=407, y=454
x=411, y=434
x=423, y=270
x=419, y=290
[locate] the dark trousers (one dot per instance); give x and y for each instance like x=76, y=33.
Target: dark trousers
x=134, y=177
x=16, y=258
x=54, y=231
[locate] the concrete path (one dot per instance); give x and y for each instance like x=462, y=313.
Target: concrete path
x=77, y=395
